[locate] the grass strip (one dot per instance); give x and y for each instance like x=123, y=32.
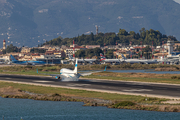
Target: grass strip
x=140, y=77
x=79, y=93
x=155, y=80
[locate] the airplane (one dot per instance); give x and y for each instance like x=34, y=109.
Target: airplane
x=70, y=75
x=13, y=60
x=103, y=59
x=132, y=61
x=72, y=59
x=3, y=61
x=82, y=60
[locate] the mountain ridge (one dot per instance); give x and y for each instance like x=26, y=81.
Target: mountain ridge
x=31, y=22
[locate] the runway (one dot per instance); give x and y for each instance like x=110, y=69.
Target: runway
x=119, y=87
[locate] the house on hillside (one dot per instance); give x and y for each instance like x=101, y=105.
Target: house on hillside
x=92, y=46
x=69, y=51
x=25, y=50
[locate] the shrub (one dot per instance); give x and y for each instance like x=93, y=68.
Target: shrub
x=124, y=103
x=28, y=66
x=173, y=77
x=56, y=94
x=150, y=99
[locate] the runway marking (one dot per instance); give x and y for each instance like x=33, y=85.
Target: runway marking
x=138, y=83
x=43, y=81
x=136, y=90
x=74, y=85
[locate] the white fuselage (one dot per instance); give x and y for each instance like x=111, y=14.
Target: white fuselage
x=140, y=61
x=85, y=60
x=111, y=60
x=68, y=75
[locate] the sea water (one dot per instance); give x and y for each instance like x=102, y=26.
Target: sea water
x=140, y=71
x=15, y=109
x=145, y=71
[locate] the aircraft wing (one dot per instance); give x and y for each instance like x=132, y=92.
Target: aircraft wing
x=57, y=76
x=89, y=73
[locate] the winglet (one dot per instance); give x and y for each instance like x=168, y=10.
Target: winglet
x=105, y=68
x=37, y=70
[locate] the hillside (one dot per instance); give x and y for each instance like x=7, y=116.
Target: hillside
x=30, y=22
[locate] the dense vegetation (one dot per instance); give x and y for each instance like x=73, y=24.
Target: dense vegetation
x=89, y=53
x=11, y=48
x=123, y=37
x=36, y=50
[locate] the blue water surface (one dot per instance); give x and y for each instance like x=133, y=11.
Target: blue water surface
x=145, y=71
x=138, y=71
x=14, y=109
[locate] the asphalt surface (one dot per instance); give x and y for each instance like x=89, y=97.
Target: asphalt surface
x=120, y=87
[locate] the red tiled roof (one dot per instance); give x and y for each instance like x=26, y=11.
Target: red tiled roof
x=35, y=54
x=138, y=47
x=76, y=47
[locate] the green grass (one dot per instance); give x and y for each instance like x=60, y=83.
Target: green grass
x=139, y=79
x=89, y=67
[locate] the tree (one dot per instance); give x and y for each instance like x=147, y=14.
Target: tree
x=146, y=36
x=89, y=53
x=109, y=53
x=97, y=51
x=80, y=53
x=4, y=51
x=11, y=48
x=122, y=32
x=147, y=52
x=142, y=33
x=37, y=50
x=178, y=49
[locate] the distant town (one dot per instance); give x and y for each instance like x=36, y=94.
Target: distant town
x=167, y=52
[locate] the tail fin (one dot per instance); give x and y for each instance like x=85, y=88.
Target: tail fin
x=123, y=57
x=70, y=57
x=12, y=58
x=102, y=57
x=75, y=69
x=105, y=68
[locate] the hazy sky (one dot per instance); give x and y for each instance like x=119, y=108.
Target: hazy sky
x=178, y=1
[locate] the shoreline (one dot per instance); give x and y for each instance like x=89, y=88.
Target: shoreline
x=149, y=103
x=99, y=102
x=11, y=92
